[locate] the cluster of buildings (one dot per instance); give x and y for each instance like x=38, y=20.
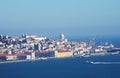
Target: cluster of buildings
x=31, y=47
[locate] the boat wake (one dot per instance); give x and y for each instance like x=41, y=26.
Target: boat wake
x=91, y=62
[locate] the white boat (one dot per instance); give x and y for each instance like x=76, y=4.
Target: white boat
x=92, y=62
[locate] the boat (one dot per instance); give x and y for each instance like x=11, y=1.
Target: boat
x=89, y=62
x=92, y=62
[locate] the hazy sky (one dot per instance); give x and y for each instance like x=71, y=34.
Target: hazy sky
x=51, y=17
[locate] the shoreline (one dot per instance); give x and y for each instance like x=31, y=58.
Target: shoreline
x=47, y=58
x=16, y=61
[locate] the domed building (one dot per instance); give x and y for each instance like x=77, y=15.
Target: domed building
x=62, y=38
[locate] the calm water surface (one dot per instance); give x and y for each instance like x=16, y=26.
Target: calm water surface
x=63, y=68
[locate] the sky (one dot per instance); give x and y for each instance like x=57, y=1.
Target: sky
x=75, y=18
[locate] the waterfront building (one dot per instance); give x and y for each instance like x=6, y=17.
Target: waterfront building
x=33, y=55
x=28, y=57
x=62, y=53
x=44, y=54
x=2, y=57
x=11, y=57
x=21, y=56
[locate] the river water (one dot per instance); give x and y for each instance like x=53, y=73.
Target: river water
x=63, y=68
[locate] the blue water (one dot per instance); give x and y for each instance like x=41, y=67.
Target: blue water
x=63, y=68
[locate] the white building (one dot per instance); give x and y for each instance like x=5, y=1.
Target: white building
x=11, y=57
x=33, y=55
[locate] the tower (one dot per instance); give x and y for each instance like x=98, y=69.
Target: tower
x=62, y=37
x=33, y=55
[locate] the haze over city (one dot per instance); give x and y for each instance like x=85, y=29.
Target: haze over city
x=51, y=17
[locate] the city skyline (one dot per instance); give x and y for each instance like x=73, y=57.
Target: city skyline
x=50, y=18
